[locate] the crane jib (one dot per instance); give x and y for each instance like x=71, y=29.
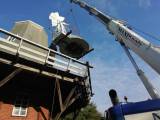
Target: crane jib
x=128, y=36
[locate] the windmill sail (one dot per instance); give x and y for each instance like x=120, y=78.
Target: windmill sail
x=58, y=22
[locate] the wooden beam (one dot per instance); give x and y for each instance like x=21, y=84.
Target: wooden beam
x=35, y=70
x=10, y=76
x=65, y=104
x=59, y=94
x=72, y=100
x=69, y=97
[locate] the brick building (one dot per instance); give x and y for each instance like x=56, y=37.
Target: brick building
x=34, y=85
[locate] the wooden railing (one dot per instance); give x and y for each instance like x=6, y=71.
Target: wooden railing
x=14, y=44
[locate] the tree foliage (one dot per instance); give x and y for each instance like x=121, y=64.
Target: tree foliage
x=88, y=113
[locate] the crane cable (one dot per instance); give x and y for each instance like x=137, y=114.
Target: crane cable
x=74, y=20
x=145, y=33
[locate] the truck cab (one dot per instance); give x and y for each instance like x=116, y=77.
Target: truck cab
x=144, y=110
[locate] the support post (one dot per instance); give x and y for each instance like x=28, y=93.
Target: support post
x=69, y=100
x=10, y=76
x=89, y=75
x=59, y=94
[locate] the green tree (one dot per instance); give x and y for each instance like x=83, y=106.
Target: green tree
x=88, y=113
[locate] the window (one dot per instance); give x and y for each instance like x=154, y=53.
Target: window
x=21, y=106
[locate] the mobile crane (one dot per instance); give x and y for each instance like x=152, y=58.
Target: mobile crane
x=130, y=40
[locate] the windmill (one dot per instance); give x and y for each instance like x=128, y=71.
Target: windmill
x=69, y=44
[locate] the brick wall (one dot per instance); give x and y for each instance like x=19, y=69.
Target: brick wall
x=36, y=90
x=32, y=114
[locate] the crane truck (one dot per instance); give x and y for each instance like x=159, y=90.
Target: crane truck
x=130, y=40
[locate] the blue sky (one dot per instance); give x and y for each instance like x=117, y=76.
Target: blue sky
x=112, y=69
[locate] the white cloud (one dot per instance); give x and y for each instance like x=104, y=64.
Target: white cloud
x=106, y=6
x=145, y=3
x=106, y=77
x=112, y=69
x=124, y=79
x=116, y=72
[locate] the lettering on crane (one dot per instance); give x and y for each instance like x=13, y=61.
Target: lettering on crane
x=128, y=36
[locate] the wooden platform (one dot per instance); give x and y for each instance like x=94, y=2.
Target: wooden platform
x=71, y=83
